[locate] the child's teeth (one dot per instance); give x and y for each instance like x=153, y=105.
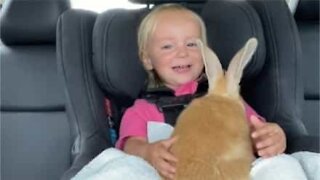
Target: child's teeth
x=182, y=67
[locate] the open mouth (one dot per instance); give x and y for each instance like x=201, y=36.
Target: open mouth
x=182, y=68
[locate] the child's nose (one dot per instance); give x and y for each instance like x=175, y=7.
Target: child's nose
x=182, y=51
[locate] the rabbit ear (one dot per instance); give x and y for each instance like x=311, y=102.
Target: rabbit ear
x=212, y=65
x=237, y=65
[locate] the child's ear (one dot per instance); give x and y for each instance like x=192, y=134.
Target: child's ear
x=147, y=63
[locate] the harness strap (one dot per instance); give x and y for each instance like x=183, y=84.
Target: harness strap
x=171, y=106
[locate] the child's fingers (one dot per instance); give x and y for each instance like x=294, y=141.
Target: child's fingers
x=266, y=142
x=269, y=140
x=166, y=169
x=256, y=123
x=263, y=131
x=168, y=176
x=169, y=142
x=169, y=157
x=270, y=146
x=270, y=151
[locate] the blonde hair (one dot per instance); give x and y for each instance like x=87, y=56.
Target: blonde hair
x=148, y=26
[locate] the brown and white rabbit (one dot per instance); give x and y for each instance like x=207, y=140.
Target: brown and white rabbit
x=213, y=133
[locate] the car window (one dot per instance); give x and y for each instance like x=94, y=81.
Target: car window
x=100, y=6
x=292, y=5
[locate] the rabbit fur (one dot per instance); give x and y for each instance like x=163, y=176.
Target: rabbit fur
x=213, y=133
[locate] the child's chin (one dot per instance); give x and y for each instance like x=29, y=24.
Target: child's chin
x=185, y=81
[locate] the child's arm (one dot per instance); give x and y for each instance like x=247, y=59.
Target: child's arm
x=157, y=154
x=136, y=146
x=133, y=138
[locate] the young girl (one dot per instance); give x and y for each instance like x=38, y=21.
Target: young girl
x=167, y=48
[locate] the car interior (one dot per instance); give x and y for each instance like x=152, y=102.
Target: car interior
x=62, y=68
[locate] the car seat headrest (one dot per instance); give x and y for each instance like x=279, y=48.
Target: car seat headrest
x=308, y=10
x=115, y=52
x=166, y=1
x=30, y=21
x=229, y=26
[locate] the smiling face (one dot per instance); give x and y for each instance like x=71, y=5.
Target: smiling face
x=172, y=50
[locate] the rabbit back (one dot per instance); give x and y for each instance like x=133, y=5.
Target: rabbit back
x=213, y=140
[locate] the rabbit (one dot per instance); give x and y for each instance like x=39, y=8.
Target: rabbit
x=213, y=136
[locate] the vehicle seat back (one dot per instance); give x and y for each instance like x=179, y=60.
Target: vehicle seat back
x=278, y=92
x=85, y=102
x=307, y=18
x=35, y=132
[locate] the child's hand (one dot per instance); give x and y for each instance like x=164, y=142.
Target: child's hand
x=159, y=157
x=269, y=139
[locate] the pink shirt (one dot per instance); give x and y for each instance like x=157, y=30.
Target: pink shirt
x=135, y=119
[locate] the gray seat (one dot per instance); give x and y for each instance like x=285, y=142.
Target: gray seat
x=278, y=92
x=98, y=58
x=307, y=18
x=272, y=84
x=35, y=132
x=85, y=103
x=38, y=140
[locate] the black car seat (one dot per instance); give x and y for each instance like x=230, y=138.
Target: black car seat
x=307, y=19
x=35, y=132
x=85, y=103
x=278, y=91
x=116, y=63
x=106, y=64
x=39, y=140
x=273, y=85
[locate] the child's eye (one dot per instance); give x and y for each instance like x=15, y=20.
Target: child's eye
x=167, y=46
x=192, y=44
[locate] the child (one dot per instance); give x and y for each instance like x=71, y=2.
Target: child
x=168, y=50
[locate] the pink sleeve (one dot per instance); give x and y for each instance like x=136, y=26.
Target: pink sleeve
x=135, y=119
x=251, y=112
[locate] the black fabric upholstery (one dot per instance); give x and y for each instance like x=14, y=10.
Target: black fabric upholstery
x=34, y=24
x=24, y=69
x=116, y=62
x=34, y=145
x=35, y=131
x=85, y=101
x=307, y=18
x=228, y=32
x=307, y=10
x=277, y=91
x=311, y=115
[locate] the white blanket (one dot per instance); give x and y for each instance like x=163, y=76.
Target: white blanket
x=281, y=167
x=113, y=164
x=310, y=163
